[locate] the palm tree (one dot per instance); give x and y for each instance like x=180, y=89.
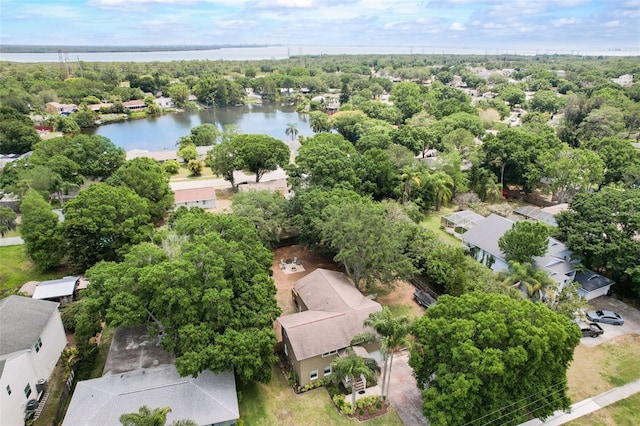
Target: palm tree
x=352, y=367
x=493, y=191
x=409, y=178
x=146, y=417
x=292, y=131
x=535, y=282
x=393, y=332
x=443, y=188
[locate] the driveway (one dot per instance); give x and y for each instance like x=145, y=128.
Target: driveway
x=631, y=320
x=404, y=394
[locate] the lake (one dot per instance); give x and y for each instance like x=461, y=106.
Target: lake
x=162, y=132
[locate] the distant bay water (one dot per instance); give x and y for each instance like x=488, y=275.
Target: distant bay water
x=282, y=52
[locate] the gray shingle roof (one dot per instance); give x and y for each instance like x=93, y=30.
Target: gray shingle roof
x=207, y=399
x=336, y=314
x=590, y=281
x=486, y=234
x=22, y=320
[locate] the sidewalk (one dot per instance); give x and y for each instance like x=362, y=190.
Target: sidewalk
x=589, y=405
x=11, y=241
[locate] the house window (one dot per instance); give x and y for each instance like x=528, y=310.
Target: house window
x=327, y=371
x=38, y=345
x=326, y=354
x=286, y=350
x=27, y=390
x=314, y=374
x=9, y=389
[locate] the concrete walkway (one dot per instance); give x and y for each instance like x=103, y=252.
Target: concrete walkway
x=589, y=405
x=11, y=241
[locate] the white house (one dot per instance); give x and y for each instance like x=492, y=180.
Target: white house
x=557, y=262
x=31, y=340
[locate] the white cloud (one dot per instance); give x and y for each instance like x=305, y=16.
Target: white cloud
x=457, y=26
x=272, y=4
x=564, y=21
x=612, y=24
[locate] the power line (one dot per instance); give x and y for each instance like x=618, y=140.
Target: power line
x=530, y=403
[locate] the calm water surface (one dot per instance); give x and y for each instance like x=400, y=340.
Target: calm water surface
x=282, y=52
x=162, y=132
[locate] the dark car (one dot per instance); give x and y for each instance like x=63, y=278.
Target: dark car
x=607, y=317
x=423, y=298
x=590, y=329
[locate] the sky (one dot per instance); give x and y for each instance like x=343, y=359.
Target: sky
x=484, y=24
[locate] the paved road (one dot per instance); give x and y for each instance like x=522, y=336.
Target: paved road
x=589, y=405
x=11, y=241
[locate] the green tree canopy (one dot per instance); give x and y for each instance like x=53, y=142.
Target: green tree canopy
x=103, y=222
x=325, y=160
x=408, y=98
x=486, y=358
x=601, y=228
x=571, y=170
x=368, y=240
x=266, y=210
x=96, y=156
x=209, y=292
x=261, y=153
x=524, y=241
x=147, y=179
x=17, y=134
x=41, y=231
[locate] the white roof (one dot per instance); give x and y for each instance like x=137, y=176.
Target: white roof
x=55, y=288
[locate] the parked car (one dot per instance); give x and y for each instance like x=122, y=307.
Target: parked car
x=590, y=329
x=607, y=317
x=423, y=298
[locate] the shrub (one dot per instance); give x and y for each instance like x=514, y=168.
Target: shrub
x=171, y=166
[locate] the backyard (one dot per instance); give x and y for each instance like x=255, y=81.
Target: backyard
x=16, y=269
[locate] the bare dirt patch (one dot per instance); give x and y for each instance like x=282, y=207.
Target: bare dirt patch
x=401, y=298
x=310, y=261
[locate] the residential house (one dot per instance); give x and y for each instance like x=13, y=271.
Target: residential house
x=204, y=197
x=135, y=105
x=60, y=109
x=331, y=312
x=62, y=291
x=31, y=340
x=160, y=156
x=98, y=107
x=165, y=102
x=557, y=262
x=138, y=372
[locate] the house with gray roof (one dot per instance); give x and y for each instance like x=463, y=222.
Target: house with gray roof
x=557, y=262
x=31, y=340
x=138, y=372
x=62, y=291
x=331, y=312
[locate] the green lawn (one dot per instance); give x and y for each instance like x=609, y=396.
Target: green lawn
x=16, y=268
x=432, y=223
x=622, y=413
x=275, y=403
